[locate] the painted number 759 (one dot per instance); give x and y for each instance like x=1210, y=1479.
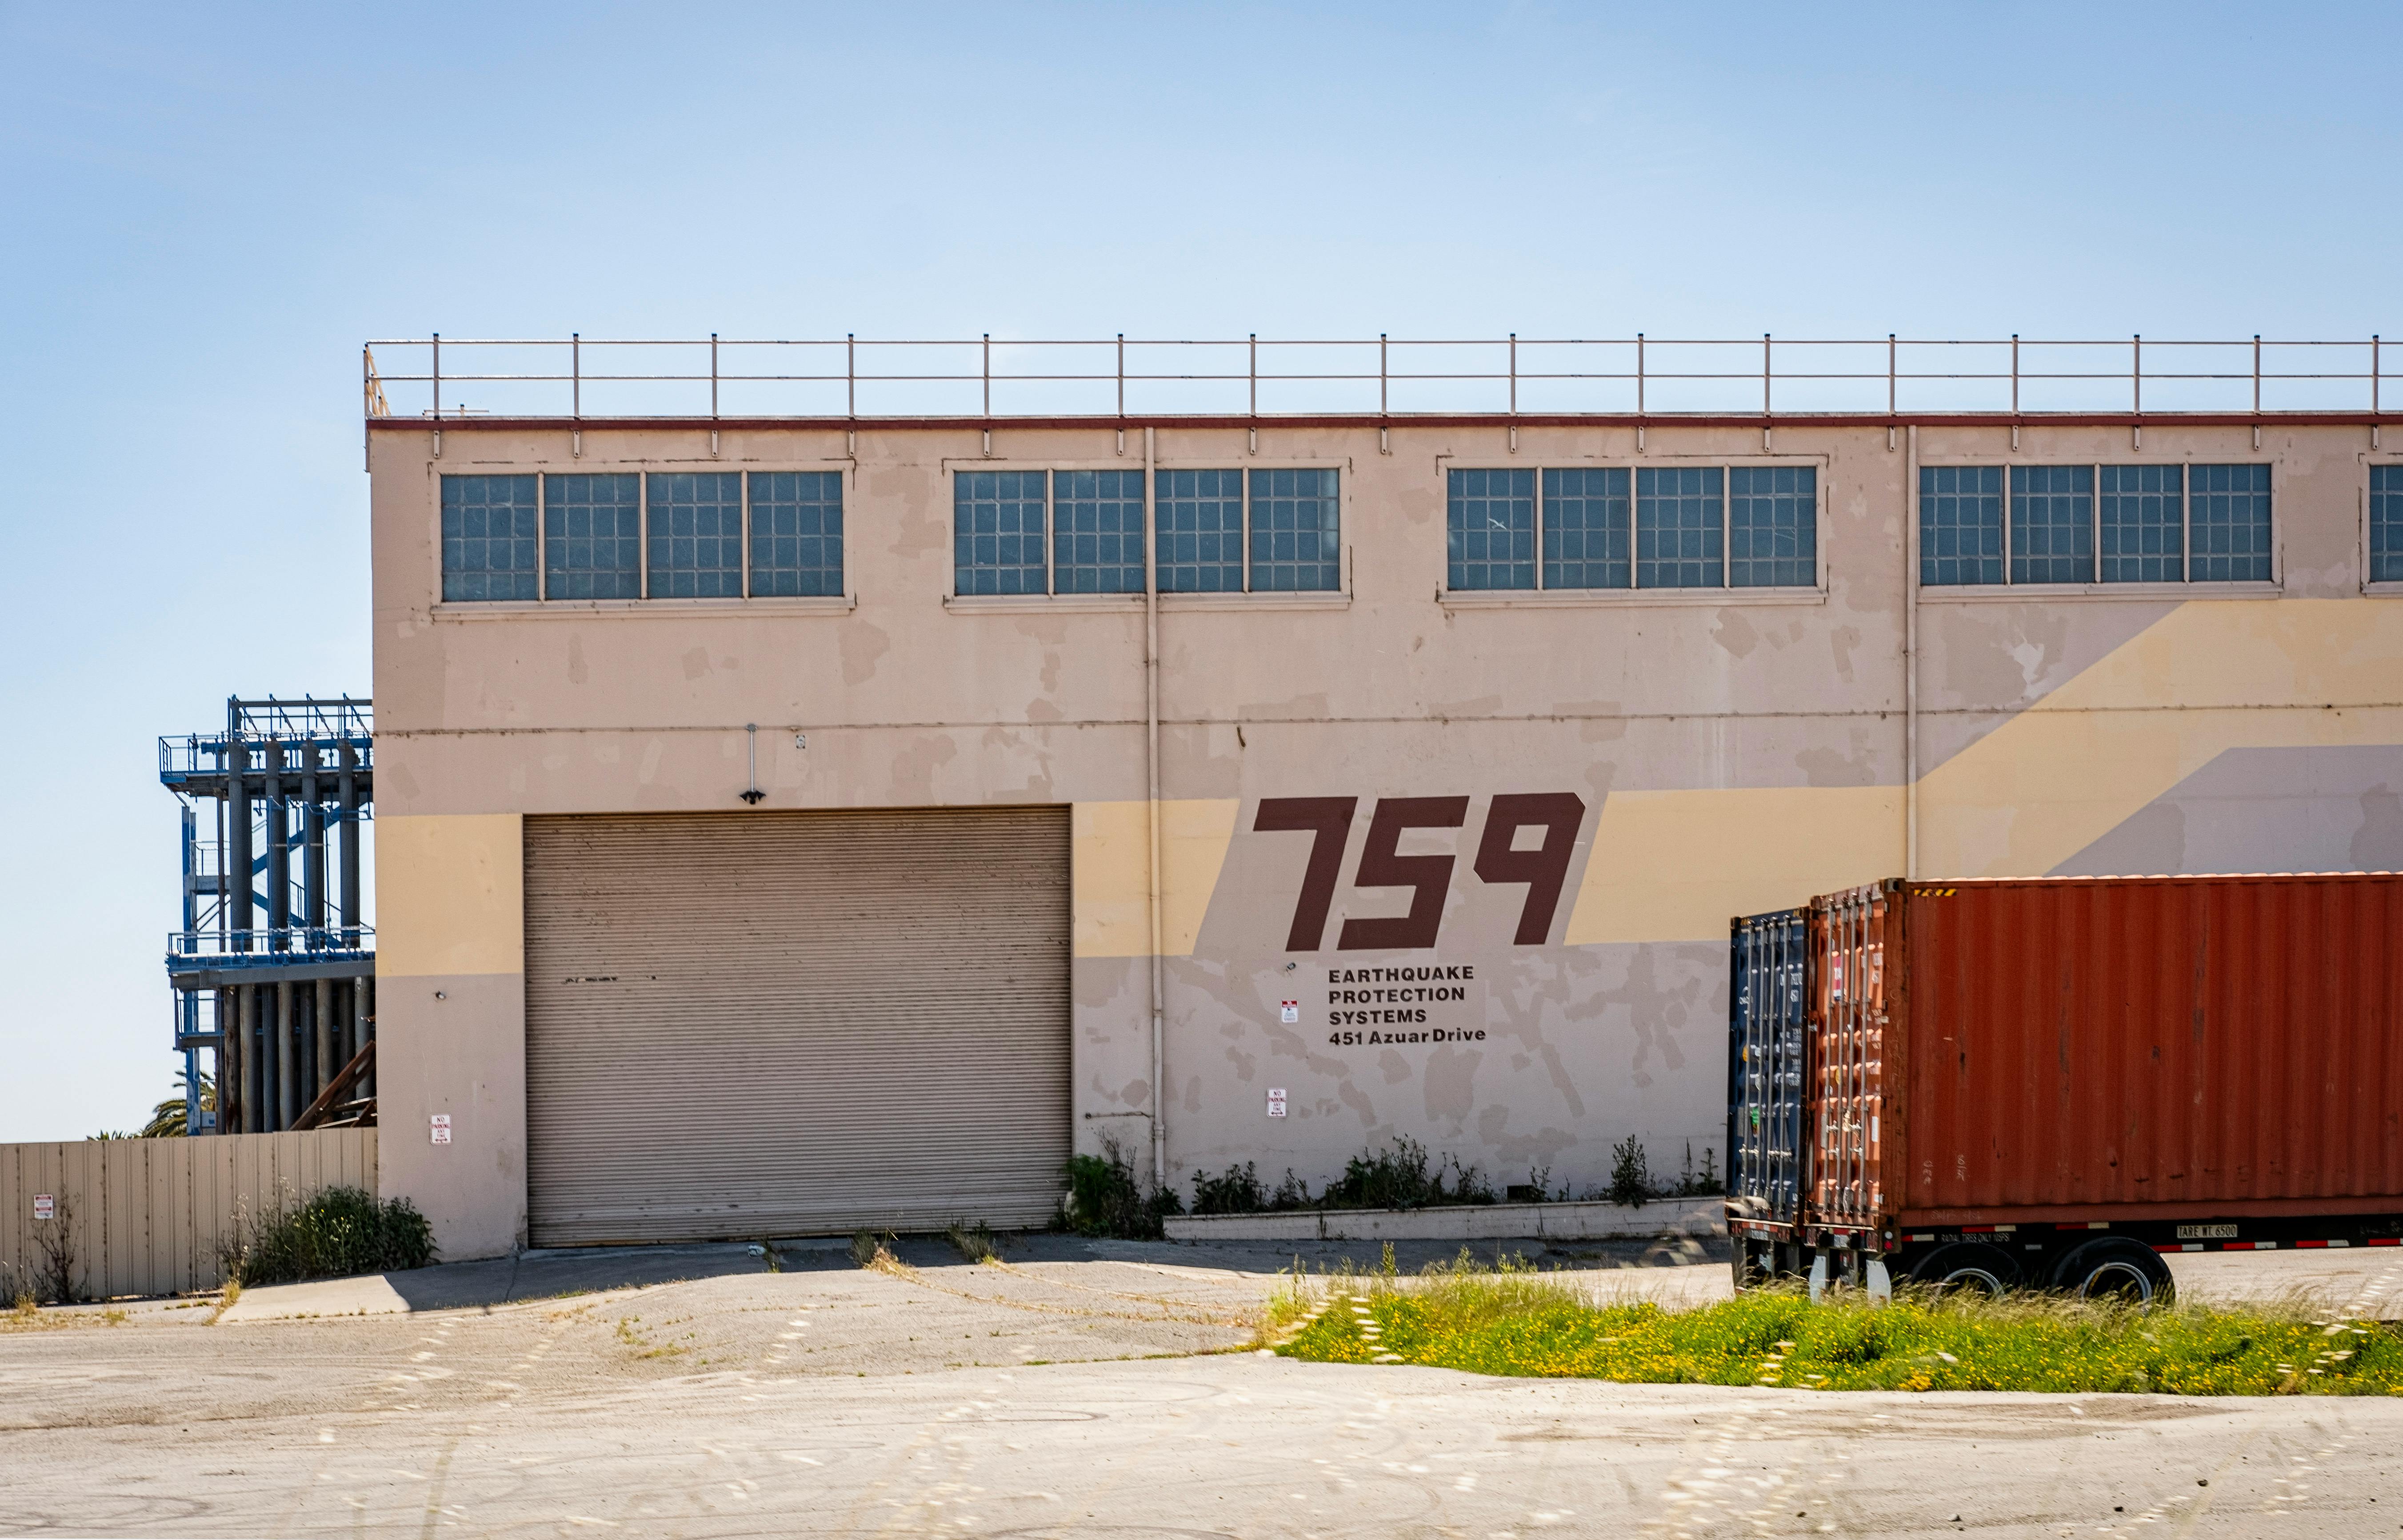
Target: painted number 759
x=1328, y=819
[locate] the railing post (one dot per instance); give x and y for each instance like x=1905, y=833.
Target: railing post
x=575, y=374
x=1252, y=373
x=2136, y=373
x=850, y=374
x=1514, y=374
x=1889, y=375
x=438, y=377
x=1639, y=376
x=1381, y=374
x=713, y=375
x=2015, y=375
x=1764, y=374
x=1121, y=374
x=988, y=374
x=2373, y=375
x=2257, y=374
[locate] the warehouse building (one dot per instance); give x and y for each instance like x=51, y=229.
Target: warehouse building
x=792, y=822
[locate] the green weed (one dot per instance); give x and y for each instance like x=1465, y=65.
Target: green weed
x=974, y=1243
x=338, y=1233
x=1515, y=1321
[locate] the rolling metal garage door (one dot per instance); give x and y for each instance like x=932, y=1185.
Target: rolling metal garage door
x=748, y=1024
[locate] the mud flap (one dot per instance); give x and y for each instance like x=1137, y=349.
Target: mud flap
x=1881, y=1282
x=1818, y=1277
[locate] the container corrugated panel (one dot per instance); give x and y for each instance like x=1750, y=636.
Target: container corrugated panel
x=1848, y=1042
x=2073, y=1048
x=777, y=1023
x=1768, y=967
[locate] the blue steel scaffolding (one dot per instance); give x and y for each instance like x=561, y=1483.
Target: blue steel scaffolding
x=272, y=972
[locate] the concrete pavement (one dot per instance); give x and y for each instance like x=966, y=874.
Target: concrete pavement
x=1086, y=1389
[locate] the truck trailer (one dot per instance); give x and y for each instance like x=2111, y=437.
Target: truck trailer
x=2051, y=1082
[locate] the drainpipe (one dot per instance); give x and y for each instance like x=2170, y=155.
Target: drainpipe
x=1151, y=814
x=1910, y=656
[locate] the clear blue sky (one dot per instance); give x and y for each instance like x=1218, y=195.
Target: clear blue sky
x=205, y=210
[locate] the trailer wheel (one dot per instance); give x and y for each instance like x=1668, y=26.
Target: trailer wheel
x=2115, y=1267
x=1969, y=1267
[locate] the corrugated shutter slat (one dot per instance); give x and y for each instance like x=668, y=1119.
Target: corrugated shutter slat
x=748, y=1024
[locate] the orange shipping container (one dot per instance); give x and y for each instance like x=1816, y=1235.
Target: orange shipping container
x=2070, y=1049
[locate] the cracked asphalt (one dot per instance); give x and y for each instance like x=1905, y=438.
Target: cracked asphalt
x=1087, y=1389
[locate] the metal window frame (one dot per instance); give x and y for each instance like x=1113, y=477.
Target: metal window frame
x=2276, y=534
x=443, y=476
x=1243, y=520
x=2186, y=519
x=1246, y=464
x=642, y=534
x=1542, y=469
x=1242, y=465
x=1043, y=536
x=1445, y=469
x=2371, y=587
x=1818, y=465
x=640, y=466
x=742, y=500
x=1819, y=478
x=1342, y=519
x=1635, y=528
x=845, y=472
x=2184, y=586
x=1051, y=527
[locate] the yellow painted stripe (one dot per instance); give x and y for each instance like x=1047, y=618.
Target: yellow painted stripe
x=1112, y=856
x=450, y=895
x=1676, y=866
x=2236, y=673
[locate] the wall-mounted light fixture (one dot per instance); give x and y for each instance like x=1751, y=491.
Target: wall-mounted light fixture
x=753, y=794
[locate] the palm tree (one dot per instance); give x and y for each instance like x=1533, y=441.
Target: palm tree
x=167, y=1118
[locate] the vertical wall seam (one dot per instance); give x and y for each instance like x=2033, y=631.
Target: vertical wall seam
x=1910, y=655
x=1151, y=805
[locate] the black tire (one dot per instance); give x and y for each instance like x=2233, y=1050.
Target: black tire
x=1966, y=1267
x=2113, y=1267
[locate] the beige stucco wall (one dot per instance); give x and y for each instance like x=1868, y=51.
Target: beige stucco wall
x=1732, y=753
x=451, y=1022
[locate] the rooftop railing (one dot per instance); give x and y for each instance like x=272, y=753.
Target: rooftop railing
x=266, y=945
x=851, y=377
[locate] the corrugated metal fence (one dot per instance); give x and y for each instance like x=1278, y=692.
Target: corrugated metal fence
x=150, y=1216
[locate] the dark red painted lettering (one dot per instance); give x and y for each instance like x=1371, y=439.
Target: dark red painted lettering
x=1382, y=866
x=1330, y=819
x=1560, y=814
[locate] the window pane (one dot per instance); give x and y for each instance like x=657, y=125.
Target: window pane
x=1772, y=526
x=1201, y=515
x=1491, y=525
x=1678, y=527
x=696, y=522
x=1960, y=524
x=1296, y=532
x=2386, y=524
x=998, y=530
x=2053, y=523
x=592, y=535
x=2143, y=511
x=2229, y=510
x=489, y=527
x=1097, y=532
x=796, y=533
x=1585, y=528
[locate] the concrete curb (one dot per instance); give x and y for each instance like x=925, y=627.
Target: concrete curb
x=1480, y=1222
